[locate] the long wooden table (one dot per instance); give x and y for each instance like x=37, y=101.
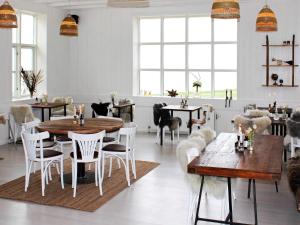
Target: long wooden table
x=91, y=126
x=220, y=159
x=49, y=106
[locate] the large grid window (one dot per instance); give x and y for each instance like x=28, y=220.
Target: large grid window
x=178, y=52
x=23, y=51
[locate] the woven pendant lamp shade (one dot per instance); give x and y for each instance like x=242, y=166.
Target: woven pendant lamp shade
x=225, y=9
x=266, y=20
x=69, y=27
x=8, y=18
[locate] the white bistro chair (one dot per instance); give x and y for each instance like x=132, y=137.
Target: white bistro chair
x=87, y=153
x=124, y=153
x=295, y=143
x=40, y=155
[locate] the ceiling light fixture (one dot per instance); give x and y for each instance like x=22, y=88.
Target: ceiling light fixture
x=8, y=18
x=225, y=9
x=266, y=20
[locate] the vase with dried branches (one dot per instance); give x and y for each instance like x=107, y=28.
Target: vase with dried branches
x=31, y=80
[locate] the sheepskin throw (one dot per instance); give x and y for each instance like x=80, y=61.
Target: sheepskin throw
x=293, y=125
x=22, y=113
x=294, y=178
x=60, y=110
x=190, y=148
x=256, y=113
x=263, y=123
x=2, y=119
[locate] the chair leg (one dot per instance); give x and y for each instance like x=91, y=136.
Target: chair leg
x=133, y=164
x=110, y=167
x=62, y=172
x=292, y=148
x=119, y=163
x=99, y=177
x=96, y=174
x=103, y=165
x=127, y=170
x=43, y=171
x=178, y=134
x=276, y=186
x=49, y=172
x=73, y=171
x=57, y=168
x=75, y=180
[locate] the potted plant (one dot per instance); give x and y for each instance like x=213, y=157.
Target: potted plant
x=197, y=83
x=31, y=80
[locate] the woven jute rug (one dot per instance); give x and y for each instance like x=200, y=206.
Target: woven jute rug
x=87, y=197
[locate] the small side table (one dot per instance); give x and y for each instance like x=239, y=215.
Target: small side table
x=49, y=106
x=119, y=107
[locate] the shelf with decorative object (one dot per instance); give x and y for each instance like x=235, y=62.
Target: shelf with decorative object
x=280, y=64
x=280, y=85
x=280, y=45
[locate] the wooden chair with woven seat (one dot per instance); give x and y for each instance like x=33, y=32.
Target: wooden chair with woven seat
x=85, y=151
x=40, y=155
x=124, y=153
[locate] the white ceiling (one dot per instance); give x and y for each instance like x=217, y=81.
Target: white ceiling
x=82, y=4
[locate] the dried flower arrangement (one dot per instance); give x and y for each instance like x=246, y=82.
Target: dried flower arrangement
x=197, y=83
x=31, y=80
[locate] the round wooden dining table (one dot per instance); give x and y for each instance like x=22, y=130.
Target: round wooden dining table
x=91, y=126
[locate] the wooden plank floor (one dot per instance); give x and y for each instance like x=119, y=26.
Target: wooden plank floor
x=159, y=198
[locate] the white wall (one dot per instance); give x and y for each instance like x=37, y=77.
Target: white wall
x=102, y=57
x=100, y=60
x=57, y=58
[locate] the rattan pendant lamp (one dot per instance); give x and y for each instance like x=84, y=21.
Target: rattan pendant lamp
x=69, y=26
x=225, y=9
x=8, y=18
x=266, y=20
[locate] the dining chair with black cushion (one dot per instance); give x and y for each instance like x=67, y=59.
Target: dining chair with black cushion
x=46, y=157
x=123, y=152
x=163, y=118
x=101, y=109
x=85, y=148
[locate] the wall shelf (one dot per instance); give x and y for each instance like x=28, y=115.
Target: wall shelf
x=281, y=65
x=268, y=65
x=280, y=86
x=280, y=45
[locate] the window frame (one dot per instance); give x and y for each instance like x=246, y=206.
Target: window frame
x=16, y=87
x=186, y=44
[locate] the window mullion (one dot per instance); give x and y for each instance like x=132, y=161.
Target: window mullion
x=212, y=59
x=186, y=56
x=162, y=84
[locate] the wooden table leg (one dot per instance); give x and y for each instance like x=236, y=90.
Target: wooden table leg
x=190, y=122
x=49, y=113
x=131, y=113
x=43, y=115
x=172, y=115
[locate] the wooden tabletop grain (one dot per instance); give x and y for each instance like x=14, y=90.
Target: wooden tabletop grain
x=47, y=105
x=92, y=125
x=221, y=159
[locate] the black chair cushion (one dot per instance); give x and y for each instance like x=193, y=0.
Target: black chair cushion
x=46, y=144
x=114, y=148
x=49, y=154
x=108, y=139
x=63, y=139
x=80, y=157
